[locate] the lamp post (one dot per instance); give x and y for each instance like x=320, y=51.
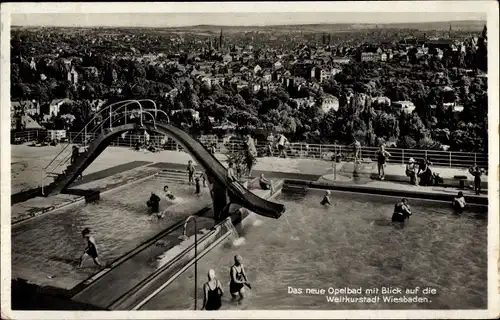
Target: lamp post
x=195, y=257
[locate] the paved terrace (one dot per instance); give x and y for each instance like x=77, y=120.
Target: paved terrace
x=118, y=165
x=27, y=163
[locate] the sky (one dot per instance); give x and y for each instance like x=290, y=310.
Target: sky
x=233, y=19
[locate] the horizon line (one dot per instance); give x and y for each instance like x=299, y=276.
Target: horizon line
x=249, y=25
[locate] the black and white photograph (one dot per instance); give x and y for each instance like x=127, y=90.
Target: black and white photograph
x=327, y=160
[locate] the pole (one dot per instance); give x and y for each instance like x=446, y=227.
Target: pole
x=195, y=264
x=195, y=257
x=41, y=180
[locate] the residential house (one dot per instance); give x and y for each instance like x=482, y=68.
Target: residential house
x=266, y=75
x=241, y=84
x=381, y=101
x=227, y=58
x=256, y=87
x=194, y=113
x=329, y=102
x=257, y=69
x=442, y=44
x=72, y=76
x=271, y=86
x=26, y=107
x=33, y=64
x=404, y=106
x=302, y=70
x=335, y=71
x=24, y=122
x=53, y=108
x=303, y=103
x=278, y=65
x=341, y=60
x=91, y=73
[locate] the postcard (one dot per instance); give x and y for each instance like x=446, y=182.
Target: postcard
x=249, y=160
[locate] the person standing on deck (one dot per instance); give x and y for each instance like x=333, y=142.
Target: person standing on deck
x=251, y=154
x=382, y=156
x=476, y=173
x=190, y=170
x=411, y=171
x=357, y=150
x=90, y=250
x=281, y=145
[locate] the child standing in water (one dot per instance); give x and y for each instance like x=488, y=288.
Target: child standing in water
x=326, y=199
x=459, y=202
x=191, y=171
x=90, y=250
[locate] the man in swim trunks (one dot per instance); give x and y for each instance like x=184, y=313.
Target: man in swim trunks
x=90, y=250
x=238, y=278
x=326, y=199
x=191, y=170
x=402, y=212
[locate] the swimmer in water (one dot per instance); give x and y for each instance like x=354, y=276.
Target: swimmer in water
x=238, y=278
x=90, y=250
x=459, y=202
x=402, y=212
x=168, y=194
x=212, y=292
x=326, y=199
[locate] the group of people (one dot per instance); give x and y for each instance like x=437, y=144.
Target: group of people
x=281, y=143
x=213, y=290
x=423, y=171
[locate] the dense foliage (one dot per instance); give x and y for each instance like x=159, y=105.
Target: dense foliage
x=430, y=83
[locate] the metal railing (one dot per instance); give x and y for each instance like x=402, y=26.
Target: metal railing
x=83, y=136
x=306, y=150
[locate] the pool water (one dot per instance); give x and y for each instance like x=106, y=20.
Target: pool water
x=52, y=244
x=351, y=244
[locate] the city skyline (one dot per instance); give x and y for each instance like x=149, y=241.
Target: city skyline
x=235, y=19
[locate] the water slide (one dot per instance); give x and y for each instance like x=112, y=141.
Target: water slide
x=239, y=194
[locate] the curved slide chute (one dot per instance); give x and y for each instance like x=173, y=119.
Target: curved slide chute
x=203, y=157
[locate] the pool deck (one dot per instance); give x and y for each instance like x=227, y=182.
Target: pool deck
x=118, y=166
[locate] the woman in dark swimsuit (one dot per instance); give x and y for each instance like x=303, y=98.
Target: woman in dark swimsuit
x=212, y=292
x=238, y=278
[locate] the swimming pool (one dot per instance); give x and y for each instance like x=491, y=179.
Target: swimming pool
x=50, y=245
x=350, y=244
